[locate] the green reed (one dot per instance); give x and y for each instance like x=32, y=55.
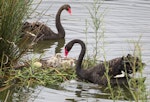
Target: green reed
x=95, y=22
x=12, y=14
x=137, y=87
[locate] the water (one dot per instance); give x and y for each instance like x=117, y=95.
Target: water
x=124, y=22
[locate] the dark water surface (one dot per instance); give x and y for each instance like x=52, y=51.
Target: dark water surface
x=125, y=21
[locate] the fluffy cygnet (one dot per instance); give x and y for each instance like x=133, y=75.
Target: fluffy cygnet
x=54, y=61
x=68, y=62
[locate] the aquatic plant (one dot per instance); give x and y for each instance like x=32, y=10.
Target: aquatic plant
x=137, y=87
x=12, y=14
x=95, y=22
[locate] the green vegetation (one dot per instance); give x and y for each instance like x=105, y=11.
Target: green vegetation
x=31, y=75
x=12, y=14
x=95, y=22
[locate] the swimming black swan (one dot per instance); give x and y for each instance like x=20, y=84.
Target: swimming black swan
x=97, y=74
x=42, y=31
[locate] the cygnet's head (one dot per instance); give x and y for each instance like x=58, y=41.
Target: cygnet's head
x=58, y=55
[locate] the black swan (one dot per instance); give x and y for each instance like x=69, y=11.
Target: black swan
x=42, y=31
x=97, y=74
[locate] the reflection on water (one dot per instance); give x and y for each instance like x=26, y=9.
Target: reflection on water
x=69, y=91
x=43, y=45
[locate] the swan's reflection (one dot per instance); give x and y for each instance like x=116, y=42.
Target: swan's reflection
x=43, y=45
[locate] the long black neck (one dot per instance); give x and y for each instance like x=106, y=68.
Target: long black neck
x=81, y=56
x=60, y=29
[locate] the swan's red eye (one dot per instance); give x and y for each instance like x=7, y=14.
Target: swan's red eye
x=69, y=10
x=66, y=52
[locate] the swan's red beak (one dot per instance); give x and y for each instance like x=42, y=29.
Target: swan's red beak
x=69, y=11
x=66, y=53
